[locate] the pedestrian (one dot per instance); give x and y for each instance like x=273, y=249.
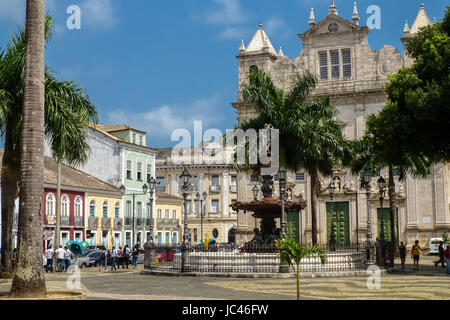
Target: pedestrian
x=135, y=255
x=415, y=254
x=126, y=256
x=402, y=250
x=103, y=260
x=60, y=259
x=441, y=255
x=113, y=254
x=119, y=257
x=178, y=248
x=67, y=256
x=447, y=258
x=49, y=255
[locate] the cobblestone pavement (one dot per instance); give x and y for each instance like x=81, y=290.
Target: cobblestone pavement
x=427, y=283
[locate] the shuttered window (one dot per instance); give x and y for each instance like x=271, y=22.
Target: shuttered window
x=334, y=57
x=346, y=63
x=323, y=59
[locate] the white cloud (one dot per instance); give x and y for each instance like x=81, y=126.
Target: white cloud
x=100, y=14
x=162, y=121
x=233, y=33
x=230, y=12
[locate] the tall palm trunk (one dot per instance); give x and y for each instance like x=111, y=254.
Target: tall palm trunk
x=393, y=207
x=29, y=278
x=314, y=195
x=298, y=281
x=9, y=178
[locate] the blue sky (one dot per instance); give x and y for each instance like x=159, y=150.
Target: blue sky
x=160, y=65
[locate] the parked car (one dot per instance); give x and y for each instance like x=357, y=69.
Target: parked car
x=96, y=247
x=164, y=254
x=82, y=262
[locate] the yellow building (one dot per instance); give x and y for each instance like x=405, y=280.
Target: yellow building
x=169, y=224
x=104, y=215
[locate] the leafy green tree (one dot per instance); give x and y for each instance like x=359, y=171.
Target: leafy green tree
x=310, y=138
x=292, y=254
x=422, y=91
x=67, y=113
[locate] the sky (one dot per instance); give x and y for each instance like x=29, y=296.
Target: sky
x=161, y=65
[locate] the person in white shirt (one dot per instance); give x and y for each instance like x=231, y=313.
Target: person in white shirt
x=113, y=254
x=60, y=259
x=67, y=255
x=49, y=255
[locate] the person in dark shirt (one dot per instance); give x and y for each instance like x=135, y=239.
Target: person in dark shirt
x=402, y=250
x=441, y=255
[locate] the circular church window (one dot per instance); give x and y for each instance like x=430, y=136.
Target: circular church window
x=215, y=233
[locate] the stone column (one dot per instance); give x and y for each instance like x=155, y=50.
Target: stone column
x=173, y=184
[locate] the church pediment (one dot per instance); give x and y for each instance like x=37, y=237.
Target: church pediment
x=333, y=24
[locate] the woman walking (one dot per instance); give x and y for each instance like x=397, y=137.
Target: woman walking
x=135, y=255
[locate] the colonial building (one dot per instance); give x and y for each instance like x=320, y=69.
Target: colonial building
x=219, y=181
x=353, y=75
x=169, y=222
x=119, y=156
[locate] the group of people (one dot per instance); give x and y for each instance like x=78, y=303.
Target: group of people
x=119, y=257
x=444, y=255
x=63, y=257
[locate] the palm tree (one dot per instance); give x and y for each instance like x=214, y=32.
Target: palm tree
x=292, y=254
x=310, y=138
x=68, y=111
x=29, y=278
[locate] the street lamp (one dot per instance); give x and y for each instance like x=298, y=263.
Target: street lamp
x=382, y=187
x=255, y=191
x=123, y=192
x=150, y=245
x=185, y=179
x=331, y=187
x=152, y=184
x=367, y=178
x=201, y=199
x=282, y=180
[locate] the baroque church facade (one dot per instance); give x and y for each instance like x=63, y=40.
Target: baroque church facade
x=354, y=76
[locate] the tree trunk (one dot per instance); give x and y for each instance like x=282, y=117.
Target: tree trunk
x=314, y=187
x=29, y=278
x=9, y=178
x=393, y=207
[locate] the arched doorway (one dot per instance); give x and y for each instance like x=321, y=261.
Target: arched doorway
x=232, y=235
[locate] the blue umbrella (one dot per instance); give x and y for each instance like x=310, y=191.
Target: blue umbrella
x=211, y=240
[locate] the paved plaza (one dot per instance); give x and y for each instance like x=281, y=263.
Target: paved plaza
x=427, y=283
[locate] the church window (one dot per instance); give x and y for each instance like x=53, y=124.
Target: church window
x=323, y=59
x=334, y=56
x=346, y=63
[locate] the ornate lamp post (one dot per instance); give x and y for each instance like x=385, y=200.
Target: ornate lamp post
x=150, y=245
x=367, y=178
x=185, y=178
x=201, y=199
x=255, y=192
x=382, y=187
x=284, y=268
x=331, y=187
x=282, y=180
x=123, y=191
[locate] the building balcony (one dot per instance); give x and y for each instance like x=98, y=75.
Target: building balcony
x=118, y=224
x=169, y=223
x=92, y=223
x=65, y=221
x=139, y=221
x=128, y=221
x=78, y=222
x=234, y=188
x=106, y=223
x=214, y=188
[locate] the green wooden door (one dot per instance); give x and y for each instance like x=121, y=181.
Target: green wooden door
x=292, y=226
x=338, y=215
x=386, y=216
